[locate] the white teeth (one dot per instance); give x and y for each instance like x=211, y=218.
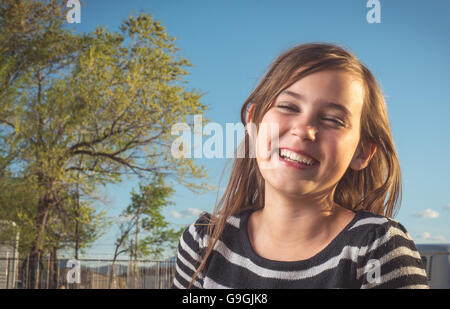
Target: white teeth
x=296, y=157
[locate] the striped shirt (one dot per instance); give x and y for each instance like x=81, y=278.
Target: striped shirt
x=372, y=251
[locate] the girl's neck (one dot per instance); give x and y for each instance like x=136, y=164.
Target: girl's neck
x=297, y=220
x=295, y=228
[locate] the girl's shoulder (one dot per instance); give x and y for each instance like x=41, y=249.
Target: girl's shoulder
x=199, y=230
x=388, y=251
x=374, y=229
x=368, y=221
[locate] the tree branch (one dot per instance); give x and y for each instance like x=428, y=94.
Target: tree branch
x=8, y=123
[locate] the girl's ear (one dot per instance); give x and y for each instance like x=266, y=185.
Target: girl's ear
x=250, y=113
x=250, y=124
x=362, y=156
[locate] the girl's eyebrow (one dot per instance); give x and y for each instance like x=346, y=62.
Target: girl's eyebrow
x=332, y=105
x=295, y=95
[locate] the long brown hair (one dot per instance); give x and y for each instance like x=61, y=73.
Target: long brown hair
x=376, y=188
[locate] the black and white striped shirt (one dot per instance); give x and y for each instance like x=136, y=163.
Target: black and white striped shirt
x=372, y=251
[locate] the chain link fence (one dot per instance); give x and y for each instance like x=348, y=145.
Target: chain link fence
x=87, y=274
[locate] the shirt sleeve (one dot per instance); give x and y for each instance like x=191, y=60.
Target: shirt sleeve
x=191, y=249
x=391, y=260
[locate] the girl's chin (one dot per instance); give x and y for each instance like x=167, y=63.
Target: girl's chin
x=294, y=190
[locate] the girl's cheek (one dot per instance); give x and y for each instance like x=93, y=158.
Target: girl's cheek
x=267, y=145
x=268, y=140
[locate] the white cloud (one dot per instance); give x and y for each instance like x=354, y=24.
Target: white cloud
x=190, y=212
x=176, y=214
x=428, y=236
x=428, y=214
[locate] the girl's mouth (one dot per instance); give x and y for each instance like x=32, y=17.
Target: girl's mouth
x=296, y=160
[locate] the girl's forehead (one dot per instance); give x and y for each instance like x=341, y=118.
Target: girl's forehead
x=340, y=87
x=336, y=81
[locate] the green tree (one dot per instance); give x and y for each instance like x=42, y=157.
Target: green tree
x=81, y=110
x=145, y=232
x=17, y=197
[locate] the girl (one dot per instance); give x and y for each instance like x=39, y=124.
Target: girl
x=313, y=208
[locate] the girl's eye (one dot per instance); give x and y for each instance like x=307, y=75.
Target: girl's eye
x=293, y=108
x=287, y=107
x=336, y=121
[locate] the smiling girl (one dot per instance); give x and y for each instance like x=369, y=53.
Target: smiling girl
x=313, y=209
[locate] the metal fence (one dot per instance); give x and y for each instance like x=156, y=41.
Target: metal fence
x=87, y=274
x=436, y=259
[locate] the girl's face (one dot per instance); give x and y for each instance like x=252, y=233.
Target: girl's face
x=318, y=119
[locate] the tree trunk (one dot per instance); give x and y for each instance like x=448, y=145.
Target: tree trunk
x=77, y=232
x=37, y=249
x=53, y=267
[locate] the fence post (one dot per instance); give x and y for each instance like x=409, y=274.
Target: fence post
x=57, y=274
x=48, y=272
x=98, y=271
x=38, y=272
x=144, y=270
x=7, y=269
x=159, y=275
x=25, y=284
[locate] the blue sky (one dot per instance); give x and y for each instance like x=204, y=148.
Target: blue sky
x=230, y=44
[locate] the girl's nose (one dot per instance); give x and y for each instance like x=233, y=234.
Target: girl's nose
x=306, y=132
